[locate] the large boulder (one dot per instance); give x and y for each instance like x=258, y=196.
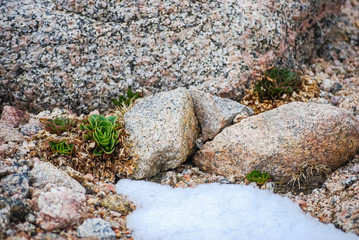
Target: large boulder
x=282, y=141
x=78, y=54
x=163, y=130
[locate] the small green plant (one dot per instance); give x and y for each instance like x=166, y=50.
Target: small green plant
x=62, y=147
x=277, y=82
x=258, y=177
x=59, y=125
x=104, y=131
x=125, y=101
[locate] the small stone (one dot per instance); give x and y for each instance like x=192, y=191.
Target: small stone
x=26, y=227
x=30, y=218
x=30, y=129
x=52, y=236
x=96, y=227
x=8, y=150
x=334, y=187
x=170, y=178
x=330, y=86
x=44, y=173
x=15, y=186
x=350, y=181
x=14, y=116
x=269, y=186
x=215, y=113
x=118, y=203
x=60, y=208
x=6, y=169
x=356, y=168
x=253, y=184
x=89, y=177
x=4, y=219
x=10, y=134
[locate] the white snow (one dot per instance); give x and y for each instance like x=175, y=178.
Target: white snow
x=215, y=211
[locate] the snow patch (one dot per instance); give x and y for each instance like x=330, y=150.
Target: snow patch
x=215, y=211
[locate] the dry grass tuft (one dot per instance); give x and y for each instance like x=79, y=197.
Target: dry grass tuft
x=119, y=164
x=308, y=90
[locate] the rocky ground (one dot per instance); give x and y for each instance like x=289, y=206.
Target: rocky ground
x=335, y=68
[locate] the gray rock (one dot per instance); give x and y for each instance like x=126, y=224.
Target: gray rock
x=15, y=186
x=9, y=134
x=96, y=227
x=30, y=129
x=334, y=187
x=4, y=219
x=52, y=236
x=6, y=167
x=26, y=227
x=283, y=140
x=330, y=86
x=215, y=113
x=163, y=130
x=69, y=53
x=45, y=173
x=7, y=150
x=11, y=211
x=350, y=181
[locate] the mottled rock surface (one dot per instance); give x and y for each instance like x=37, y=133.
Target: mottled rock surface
x=281, y=140
x=118, y=203
x=45, y=173
x=215, y=113
x=60, y=208
x=96, y=227
x=79, y=54
x=11, y=211
x=15, y=186
x=13, y=116
x=163, y=130
x=9, y=134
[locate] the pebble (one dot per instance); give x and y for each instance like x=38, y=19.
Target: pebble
x=350, y=181
x=15, y=186
x=96, y=227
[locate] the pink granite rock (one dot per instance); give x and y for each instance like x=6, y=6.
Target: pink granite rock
x=215, y=113
x=60, y=208
x=14, y=116
x=281, y=140
x=153, y=45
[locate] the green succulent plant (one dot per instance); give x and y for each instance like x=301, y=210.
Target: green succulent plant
x=277, y=82
x=59, y=125
x=126, y=100
x=62, y=147
x=104, y=131
x=258, y=177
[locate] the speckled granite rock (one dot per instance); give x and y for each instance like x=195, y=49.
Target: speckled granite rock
x=15, y=186
x=281, y=140
x=9, y=134
x=60, y=208
x=215, y=113
x=45, y=173
x=13, y=116
x=163, y=129
x=79, y=54
x=96, y=227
